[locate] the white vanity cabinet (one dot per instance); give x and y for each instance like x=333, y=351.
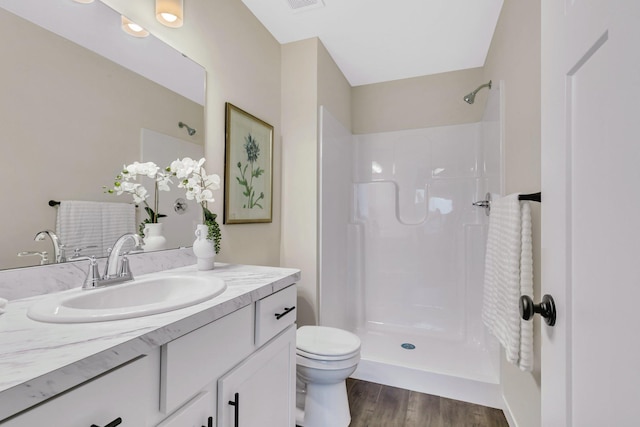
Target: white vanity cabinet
x=248, y=355
x=260, y=391
x=100, y=402
x=188, y=382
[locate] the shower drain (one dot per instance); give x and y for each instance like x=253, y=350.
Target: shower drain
x=407, y=346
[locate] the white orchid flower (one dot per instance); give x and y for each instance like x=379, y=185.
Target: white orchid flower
x=205, y=196
x=212, y=181
x=148, y=169
x=185, y=167
x=163, y=182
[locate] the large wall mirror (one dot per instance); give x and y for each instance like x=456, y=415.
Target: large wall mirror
x=80, y=98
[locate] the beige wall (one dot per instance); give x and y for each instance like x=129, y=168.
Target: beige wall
x=418, y=102
x=310, y=78
x=514, y=58
x=242, y=60
x=299, y=161
x=334, y=91
x=71, y=120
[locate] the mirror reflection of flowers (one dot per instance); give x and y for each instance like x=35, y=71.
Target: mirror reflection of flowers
x=125, y=182
x=252, y=149
x=199, y=187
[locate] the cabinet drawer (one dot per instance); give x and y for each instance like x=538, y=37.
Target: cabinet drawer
x=274, y=313
x=98, y=402
x=194, y=360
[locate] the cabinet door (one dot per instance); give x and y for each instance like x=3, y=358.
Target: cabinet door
x=100, y=402
x=260, y=391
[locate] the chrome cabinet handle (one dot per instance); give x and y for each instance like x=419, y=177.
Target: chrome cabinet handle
x=285, y=312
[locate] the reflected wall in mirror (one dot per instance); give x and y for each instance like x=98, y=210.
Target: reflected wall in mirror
x=72, y=118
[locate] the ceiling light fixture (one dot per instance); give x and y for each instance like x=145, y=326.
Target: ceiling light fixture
x=169, y=12
x=84, y=1
x=131, y=28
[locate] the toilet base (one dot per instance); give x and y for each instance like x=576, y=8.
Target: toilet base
x=325, y=405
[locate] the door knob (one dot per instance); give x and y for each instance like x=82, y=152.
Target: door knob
x=547, y=309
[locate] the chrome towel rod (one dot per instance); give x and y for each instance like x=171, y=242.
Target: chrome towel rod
x=486, y=203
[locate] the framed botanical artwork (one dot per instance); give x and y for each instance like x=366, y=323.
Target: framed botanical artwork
x=248, y=183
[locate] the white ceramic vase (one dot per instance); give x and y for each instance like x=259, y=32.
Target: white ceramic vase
x=204, y=248
x=154, y=240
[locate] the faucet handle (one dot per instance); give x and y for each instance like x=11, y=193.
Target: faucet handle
x=124, y=270
x=93, y=276
x=76, y=251
x=44, y=256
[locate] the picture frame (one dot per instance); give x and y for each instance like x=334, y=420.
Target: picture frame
x=248, y=183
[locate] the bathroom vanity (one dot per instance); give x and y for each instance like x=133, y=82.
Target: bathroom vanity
x=228, y=361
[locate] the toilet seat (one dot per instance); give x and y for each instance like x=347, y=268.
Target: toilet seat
x=326, y=344
x=323, y=358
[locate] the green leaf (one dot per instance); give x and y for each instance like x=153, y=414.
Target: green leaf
x=151, y=213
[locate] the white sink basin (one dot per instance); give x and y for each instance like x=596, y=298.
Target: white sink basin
x=140, y=297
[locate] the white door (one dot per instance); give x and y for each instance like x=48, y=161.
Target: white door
x=591, y=211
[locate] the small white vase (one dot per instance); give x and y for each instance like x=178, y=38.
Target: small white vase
x=204, y=248
x=154, y=240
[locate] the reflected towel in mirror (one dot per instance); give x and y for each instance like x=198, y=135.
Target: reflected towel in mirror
x=81, y=224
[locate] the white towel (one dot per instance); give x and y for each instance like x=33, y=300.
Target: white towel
x=509, y=275
x=80, y=224
x=3, y=305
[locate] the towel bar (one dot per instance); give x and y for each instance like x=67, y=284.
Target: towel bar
x=486, y=203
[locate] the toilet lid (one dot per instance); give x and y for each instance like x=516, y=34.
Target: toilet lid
x=326, y=341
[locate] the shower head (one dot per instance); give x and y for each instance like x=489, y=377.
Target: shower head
x=471, y=97
x=191, y=131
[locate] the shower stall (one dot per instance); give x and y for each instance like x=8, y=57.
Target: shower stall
x=402, y=251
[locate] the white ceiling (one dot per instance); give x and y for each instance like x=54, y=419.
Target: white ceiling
x=375, y=41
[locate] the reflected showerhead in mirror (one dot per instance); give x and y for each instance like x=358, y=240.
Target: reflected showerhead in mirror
x=471, y=97
x=191, y=131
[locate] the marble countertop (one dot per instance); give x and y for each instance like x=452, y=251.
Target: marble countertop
x=39, y=360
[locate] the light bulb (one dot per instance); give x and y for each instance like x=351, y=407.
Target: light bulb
x=132, y=28
x=135, y=27
x=170, y=12
x=169, y=17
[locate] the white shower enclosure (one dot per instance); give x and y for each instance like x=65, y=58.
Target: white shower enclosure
x=402, y=251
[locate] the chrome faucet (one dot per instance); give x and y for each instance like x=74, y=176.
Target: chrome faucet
x=113, y=269
x=58, y=247
x=116, y=270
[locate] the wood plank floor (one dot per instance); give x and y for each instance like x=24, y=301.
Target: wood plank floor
x=376, y=405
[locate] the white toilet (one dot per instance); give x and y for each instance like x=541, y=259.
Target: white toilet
x=325, y=357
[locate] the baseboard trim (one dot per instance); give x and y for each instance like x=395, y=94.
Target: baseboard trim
x=508, y=414
x=480, y=393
